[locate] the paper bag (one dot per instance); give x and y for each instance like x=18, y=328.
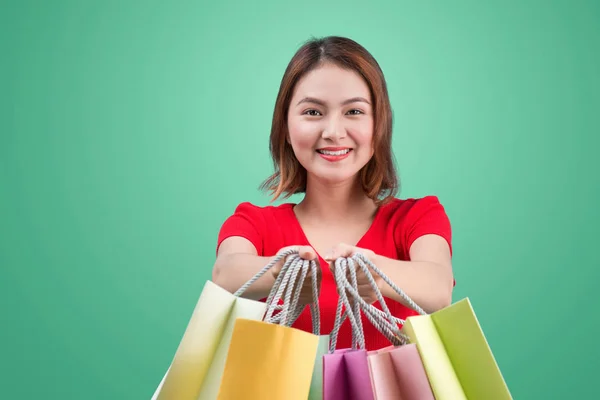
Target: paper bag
x=456, y=355
x=398, y=373
x=268, y=361
x=346, y=375
x=198, y=362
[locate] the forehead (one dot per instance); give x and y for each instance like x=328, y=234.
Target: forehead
x=332, y=83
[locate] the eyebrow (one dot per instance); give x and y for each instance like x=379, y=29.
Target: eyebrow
x=322, y=103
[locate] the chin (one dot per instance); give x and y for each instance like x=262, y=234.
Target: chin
x=333, y=174
x=334, y=177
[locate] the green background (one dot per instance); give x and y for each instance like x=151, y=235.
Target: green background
x=130, y=130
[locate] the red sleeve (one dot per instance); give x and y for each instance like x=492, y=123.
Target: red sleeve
x=247, y=222
x=426, y=216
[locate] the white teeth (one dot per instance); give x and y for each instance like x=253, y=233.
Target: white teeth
x=334, y=153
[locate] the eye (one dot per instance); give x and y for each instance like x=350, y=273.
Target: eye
x=312, y=113
x=355, y=112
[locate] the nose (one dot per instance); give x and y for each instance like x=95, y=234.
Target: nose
x=333, y=130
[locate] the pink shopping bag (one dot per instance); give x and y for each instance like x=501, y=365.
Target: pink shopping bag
x=398, y=373
x=346, y=375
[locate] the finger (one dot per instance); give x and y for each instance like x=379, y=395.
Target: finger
x=307, y=252
x=340, y=250
x=330, y=255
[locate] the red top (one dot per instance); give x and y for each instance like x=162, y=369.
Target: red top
x=395, y=227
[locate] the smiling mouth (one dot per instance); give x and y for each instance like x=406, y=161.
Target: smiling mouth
x=333, y=152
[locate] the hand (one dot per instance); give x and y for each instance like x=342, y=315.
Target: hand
x=365, y=289
x=306, y=253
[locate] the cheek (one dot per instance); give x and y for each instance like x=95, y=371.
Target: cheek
x=302, y=134
x=363, y=135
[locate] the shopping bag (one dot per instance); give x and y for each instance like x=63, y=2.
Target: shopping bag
x=274, y=361
x=197, y=367
x=456, y=354
x=398, y=373
x=346, y=374
x=355, y=373
x=242, y=309
x=383, y=376
x=335, y=378
x=197, y=362
x=452, y=348
x=268, y=361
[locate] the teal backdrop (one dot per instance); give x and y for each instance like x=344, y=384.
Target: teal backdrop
x=131, y=129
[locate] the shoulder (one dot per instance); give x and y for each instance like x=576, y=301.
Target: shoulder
x=253, y=222
x=252, y=210
x=259, y=217
x=400, y=209
x=412, y=218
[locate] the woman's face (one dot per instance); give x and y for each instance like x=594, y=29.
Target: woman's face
x=330, y=123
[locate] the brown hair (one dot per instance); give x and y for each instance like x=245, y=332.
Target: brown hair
x=378, y=177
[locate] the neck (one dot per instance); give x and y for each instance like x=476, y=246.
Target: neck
x=326, y=202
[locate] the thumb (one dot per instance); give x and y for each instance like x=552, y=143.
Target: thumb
x=307, y=253
x=341, y=250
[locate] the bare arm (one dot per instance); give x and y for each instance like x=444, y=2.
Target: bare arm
x=427, y=279
x=237, y=262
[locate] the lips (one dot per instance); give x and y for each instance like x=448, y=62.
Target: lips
x=334, y=151
x=334, y=154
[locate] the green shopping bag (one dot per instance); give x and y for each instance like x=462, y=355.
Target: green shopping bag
x=456, y=354
x=316, y=384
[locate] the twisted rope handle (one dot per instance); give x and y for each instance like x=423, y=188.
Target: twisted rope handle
x=280, y=256
x=287, y=287
x=356, y=305
x=291, y=309
x=283, y=291
x=382, y=319
x=374, y=315
x=362, y=258
x=358, y=338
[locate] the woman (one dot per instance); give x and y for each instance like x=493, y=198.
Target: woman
x=331, y=140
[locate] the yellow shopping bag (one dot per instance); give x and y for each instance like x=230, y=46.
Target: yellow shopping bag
x=274, y=361
x=456, y=354
x=268, y=361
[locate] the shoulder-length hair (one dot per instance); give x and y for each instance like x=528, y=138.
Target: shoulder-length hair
x=378, y=177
